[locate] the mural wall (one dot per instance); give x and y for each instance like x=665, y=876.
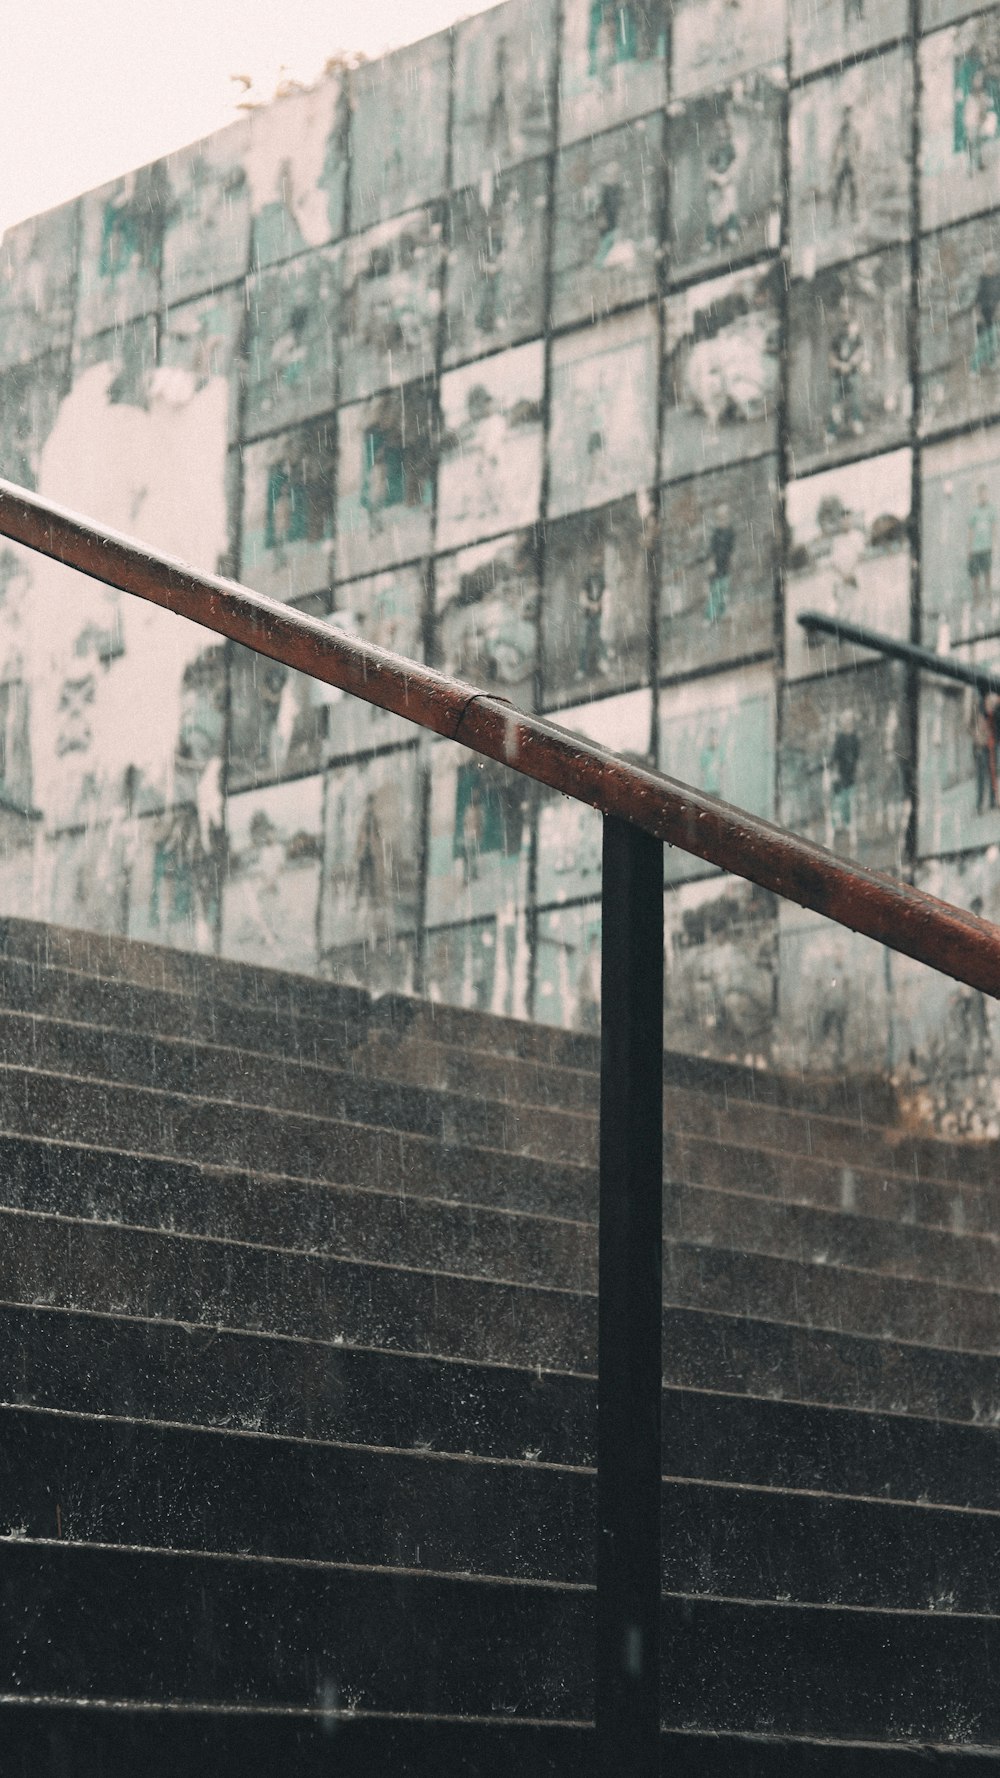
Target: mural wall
x=578, y=351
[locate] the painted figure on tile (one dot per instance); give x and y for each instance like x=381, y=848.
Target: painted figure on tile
x=269, y=860
x=74, y=719
x=489, y=818
x=133, y=219
x=489, y=302
x=482, y=438
x=730, y=369
x=844, y=165
x=200, y=729
x=711, y=761
x=986, y=302
x=385, y=478
x=184, y=891
x=498, y=116
x=721, y=544
x=15, y=747
x=846, y=361
x=976, y=110
x=472, y=830
x=981, y=537
x=369, y=856
x=587, y=1013
x=286, y=505
x=613, y=35
x=391, y=474
x=722, y=173
x=976, y=92
x=845, y=756
x=591, y=660
x=984, y=733
x=614, y=248
x=841, y=550
x=290, y=353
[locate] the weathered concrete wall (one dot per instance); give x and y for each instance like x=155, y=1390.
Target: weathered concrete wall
x=579, y=350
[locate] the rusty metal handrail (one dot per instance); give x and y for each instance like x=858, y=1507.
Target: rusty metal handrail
x=934, y=932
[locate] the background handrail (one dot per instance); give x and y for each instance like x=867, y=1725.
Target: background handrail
x=893, y=913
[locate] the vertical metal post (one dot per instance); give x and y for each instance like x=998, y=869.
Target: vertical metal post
x=630, y=1307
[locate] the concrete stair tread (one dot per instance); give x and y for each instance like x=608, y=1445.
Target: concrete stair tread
x=139, y=963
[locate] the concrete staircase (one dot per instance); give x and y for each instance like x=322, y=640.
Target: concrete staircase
x=297, y=1320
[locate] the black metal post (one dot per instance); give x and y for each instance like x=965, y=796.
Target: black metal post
x=630, y=1310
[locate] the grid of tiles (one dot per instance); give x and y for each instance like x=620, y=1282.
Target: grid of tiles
x=578, y=350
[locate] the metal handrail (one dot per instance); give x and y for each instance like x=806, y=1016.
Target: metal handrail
x=947, y=938
x=641, y=808
x=941, y=666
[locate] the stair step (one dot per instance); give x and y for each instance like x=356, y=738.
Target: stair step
x=833, y=1297
x=421, y=1025
x=115, y=1740
x=297, y=1440
x=406, y=1040
x=213, y=1072
x=94, y=1620
x=727, y=1110
x=211, y=1132
x=401, y=1021
x=58, y=993
x=125, y=1483
x=123, y=1269
x=199, y=1375
x=196, y=1375
x=132, y=963
x=820, y=1671
x=800, y=1446
x=193, y=1628
x=871, y=1191
x=749, y=1223
x=399, y=1227
x=93, y=1115
x=390, y=1227
x=759, y=1141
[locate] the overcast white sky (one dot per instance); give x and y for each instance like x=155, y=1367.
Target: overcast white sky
x=90, y=88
